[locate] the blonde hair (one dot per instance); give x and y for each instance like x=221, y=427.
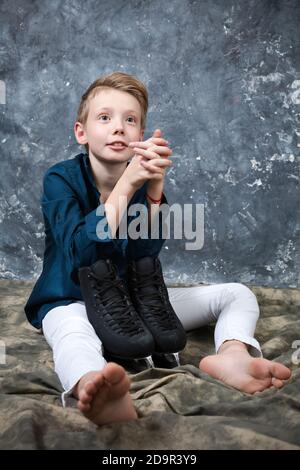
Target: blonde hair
x=119, y=81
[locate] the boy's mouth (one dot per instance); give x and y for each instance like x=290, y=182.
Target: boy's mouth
x=117, y=147
x=118, y=142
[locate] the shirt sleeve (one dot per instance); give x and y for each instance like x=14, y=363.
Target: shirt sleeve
x=73, y=231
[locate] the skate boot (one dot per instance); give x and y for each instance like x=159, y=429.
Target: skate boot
x=112, y=315
x=150, y=298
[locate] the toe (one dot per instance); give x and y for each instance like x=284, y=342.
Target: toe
x=85, y=397
x=280, y=371
x=257, y=386
x=117, y=379
x=114, y=373
x=98, y=380
x=90, y=388
x=84, y=408
x=264, y=368
x=277, y=383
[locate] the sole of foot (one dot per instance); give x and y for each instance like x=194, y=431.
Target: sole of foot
x=103, y=396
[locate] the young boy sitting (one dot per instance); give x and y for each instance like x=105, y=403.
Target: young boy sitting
x=118, y=170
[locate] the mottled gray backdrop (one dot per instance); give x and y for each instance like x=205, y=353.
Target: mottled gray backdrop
x=224, y=87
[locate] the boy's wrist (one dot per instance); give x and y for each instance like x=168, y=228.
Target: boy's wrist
x=125, y=188
x=126, y=184
x=154, y=201
x=155, y=189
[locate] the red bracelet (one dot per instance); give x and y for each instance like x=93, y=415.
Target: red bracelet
x=156, y=201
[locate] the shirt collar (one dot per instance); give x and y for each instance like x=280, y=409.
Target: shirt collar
x=88, y=168
x=89, y=171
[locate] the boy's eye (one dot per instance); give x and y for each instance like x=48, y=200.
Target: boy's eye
x=106, y=115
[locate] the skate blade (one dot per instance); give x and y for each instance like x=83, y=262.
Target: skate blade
x=166, y=361
x=136, y=364
x=147, y=361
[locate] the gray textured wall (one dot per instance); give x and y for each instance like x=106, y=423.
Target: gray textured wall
x=224, y=85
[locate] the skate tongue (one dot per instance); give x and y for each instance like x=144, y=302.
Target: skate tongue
x=101, y=267
x=146, y=266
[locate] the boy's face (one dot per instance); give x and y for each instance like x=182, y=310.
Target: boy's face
x=120, y=122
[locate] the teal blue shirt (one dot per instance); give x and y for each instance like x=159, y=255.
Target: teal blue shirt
x=69, y=204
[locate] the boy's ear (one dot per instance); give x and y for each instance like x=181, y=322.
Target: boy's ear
x=80, y=133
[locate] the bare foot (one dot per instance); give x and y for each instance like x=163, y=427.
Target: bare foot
x=103, y=396
x=234, y=366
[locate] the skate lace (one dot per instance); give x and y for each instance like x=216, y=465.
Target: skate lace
x=155, y=312
x=120, y=316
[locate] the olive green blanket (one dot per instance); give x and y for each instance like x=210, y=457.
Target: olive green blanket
x=181, y=408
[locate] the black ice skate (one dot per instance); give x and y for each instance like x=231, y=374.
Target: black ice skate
x=150, y=298
x=112, y=315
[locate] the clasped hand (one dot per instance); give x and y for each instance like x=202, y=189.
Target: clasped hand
x=150, y=160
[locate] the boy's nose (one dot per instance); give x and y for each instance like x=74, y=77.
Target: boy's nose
x=119, y=127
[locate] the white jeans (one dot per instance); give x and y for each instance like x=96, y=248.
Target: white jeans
x=78, y=350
